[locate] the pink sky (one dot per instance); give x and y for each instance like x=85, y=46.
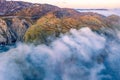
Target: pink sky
x=80, y=3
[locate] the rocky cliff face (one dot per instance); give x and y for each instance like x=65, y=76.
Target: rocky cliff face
x=4, y=32
x=12, y=30
x=19, y=27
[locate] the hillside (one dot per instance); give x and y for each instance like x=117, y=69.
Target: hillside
x=28, y=22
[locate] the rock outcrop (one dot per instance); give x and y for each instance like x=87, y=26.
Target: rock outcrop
x=3, y=31
x=12, y=30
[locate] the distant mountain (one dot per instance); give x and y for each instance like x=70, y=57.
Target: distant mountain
x=93, y=9
x=9, y=7
x=18, y=8
x=105, y=12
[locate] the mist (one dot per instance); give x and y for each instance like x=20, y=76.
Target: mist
x=108, y=12
x=77, y=55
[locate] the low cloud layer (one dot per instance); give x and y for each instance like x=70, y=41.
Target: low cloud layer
x=77, y=55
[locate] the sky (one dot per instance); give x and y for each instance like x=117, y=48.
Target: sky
x=80, y=3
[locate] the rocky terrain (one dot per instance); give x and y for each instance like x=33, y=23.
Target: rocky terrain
x=40, y=23
x=10, y=7
x=12, y=30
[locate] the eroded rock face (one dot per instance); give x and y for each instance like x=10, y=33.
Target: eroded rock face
x=5, y=35
x=12, y=30
x=19, y=27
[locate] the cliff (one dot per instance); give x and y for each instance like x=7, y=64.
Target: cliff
x=12, y=29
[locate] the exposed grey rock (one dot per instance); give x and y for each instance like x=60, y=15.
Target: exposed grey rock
x=19, y=28
x=12, y=30
x=4, y=32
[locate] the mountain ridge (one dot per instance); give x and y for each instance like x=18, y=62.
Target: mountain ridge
x=28, y=22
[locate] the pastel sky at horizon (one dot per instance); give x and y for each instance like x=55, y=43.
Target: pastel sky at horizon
x=80, y=3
